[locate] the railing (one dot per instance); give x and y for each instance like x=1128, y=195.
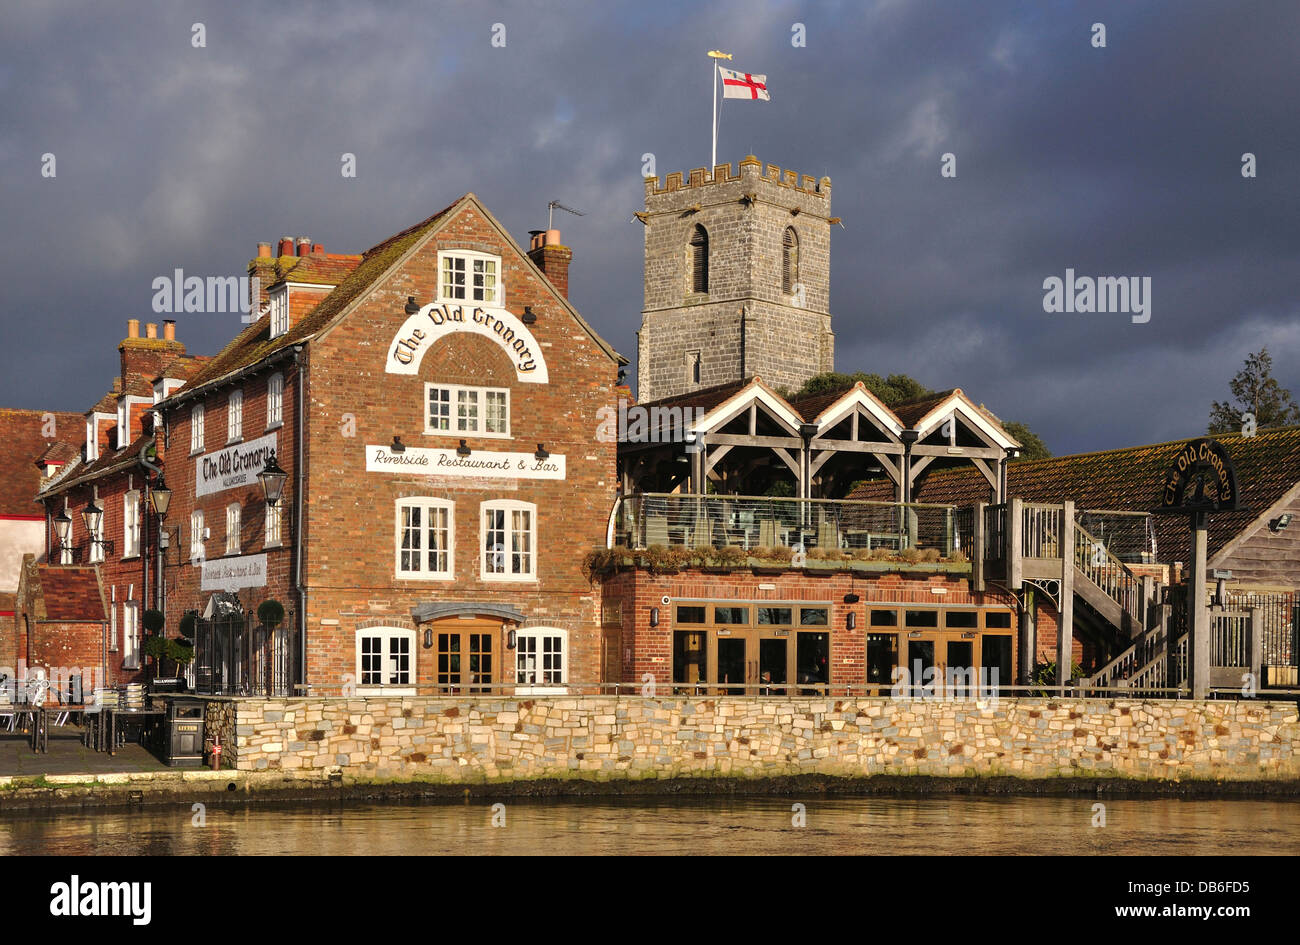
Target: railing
x=1280, y=613
x=1040, y=530
x=1109, y=573
x=1230, y=639
x=1134, y=662
x=995, y=532
x=714, y=521
x=1129, y=536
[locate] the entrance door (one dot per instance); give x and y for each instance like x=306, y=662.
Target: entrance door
x=959, y=673
x=922, y=663
x=733, y=667
x=773, y=660
x=465, y=655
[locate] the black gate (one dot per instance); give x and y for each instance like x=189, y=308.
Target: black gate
x=234, y=655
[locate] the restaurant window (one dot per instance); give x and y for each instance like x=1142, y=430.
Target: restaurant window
x=386, y=660
x=425, y=532
x=731, y=615
x=235, y=416
x=509, y=540
x=921, y=618
x=961, y=619
x=813, y=659
x=469, y=277
x=997, y=619
x=690, y=656
x=690, y=613
x=196, y=428
x=882, y=658
x=131, y=525
x=275, y=400
x=131, y=635
x=112, y=622
x=196, y=534
x=884, y=618
x=995, y=660
x=232, y=528
x=775, y=616
x=813, y=616
x=272, y=536
x=539, y=660
x=480, y=411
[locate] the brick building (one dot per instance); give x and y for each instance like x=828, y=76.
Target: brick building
x=433, y=404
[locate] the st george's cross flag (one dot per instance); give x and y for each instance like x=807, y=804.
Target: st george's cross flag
x=744, y=85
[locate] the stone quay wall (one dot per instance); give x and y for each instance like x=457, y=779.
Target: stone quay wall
x=605, y=738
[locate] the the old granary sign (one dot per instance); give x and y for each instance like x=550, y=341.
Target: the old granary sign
x=233, y=466
x=422, y=330
x=442, y=462
x=1201, y=478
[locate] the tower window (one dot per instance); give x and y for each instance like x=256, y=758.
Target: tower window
x=699, y=260
x=789, y=261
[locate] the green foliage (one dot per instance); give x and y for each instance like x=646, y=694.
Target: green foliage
x=270, y=613
x=893, y=389
x=153, y=621
x=180, y=651
x=187, y=625
x=1255, y=391
x=154, y=646
x=1031, y=445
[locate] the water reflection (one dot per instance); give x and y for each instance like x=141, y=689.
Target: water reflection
x=753, y=825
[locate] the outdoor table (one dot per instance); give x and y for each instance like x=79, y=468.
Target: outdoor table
x=113, y=713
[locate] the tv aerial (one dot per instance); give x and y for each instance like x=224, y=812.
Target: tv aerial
x=556, y=205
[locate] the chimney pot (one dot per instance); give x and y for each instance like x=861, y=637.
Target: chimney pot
x=286, y=246
x=151, y=330
x=304, y=246
x=263, y=250
x=552, y=238
x=317, y=249
x=133, y=328
x=169, y=324
x=535, y=238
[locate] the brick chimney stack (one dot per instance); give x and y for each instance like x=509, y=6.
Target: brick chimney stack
x=304, y=246
x=286, y=246
x=550, y=256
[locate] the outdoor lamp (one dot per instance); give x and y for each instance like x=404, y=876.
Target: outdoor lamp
x=1281, y=522
x=462, y=450
x=161, y=497
x=511, y=639
x=398, y=446
x=272, y=478
x=541, y=453
x=851, y=598
x=852, y=622
x=528, y=317
x=428, y=639
x=92, y=515
x=654, y=616
x=411, y=306
x=63, y=526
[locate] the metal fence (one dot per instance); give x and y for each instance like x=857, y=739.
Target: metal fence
x=1281, y=616
x=747, y=522
x=232, y=656
x=1129, y=536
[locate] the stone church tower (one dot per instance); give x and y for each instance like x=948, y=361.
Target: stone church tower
x=737, y=280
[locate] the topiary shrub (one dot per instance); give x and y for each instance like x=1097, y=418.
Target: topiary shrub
x=180, y=651
x=187, y=625
x=270, y=613
x=154, y=646
x=153, y=621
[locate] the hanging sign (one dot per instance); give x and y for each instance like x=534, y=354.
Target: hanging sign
x=1201, y=478
x=233, y=466
x=422, y=330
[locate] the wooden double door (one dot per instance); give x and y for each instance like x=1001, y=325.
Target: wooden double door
x=465, y=654
x=763, y=662
x=956, y=665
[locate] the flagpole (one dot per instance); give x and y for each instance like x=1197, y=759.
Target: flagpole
x=714, y=74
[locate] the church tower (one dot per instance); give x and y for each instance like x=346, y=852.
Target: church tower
x=737, y=280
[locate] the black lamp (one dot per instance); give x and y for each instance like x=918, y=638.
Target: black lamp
x=428, y=639
x=541, y=453
x=272, y=478
x=511, y=639
x=528, y=317
x=161, y=497
x=92, y=515
x=462, y=450
x=654, y=616
x=852, y=622
x=63, y=526
x=398, y=446
x=411, y=306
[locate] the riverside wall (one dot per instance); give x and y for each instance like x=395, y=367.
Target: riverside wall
x=608, y=738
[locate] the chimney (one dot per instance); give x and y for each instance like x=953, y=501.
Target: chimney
x=286, y=246
x=133, y=328
x=151, y=330
x=317, y=249
x=304, y=246
x=169, y=324
x=263, y=250
x=546, y=251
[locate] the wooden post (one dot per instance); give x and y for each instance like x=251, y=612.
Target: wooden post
x=1014, y=527
x=1144, y=612
x=1065, y=632
x=1198, y=650
x=1028, y=636
x=977, y=546
x=1255, y=646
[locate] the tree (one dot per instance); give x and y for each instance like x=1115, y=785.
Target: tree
x=1031, y=444
x=891, y=390
x=1254, y=391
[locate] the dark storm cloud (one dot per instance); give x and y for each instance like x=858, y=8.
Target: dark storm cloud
x=1115, y=161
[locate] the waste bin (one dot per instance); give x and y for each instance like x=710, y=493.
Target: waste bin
x=184, y=733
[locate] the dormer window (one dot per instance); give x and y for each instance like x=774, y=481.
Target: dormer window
x=465, y=276
x=279, y=311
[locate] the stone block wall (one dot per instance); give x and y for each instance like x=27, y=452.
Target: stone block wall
x=463, y=740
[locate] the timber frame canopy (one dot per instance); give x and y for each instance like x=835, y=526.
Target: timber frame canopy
x=745, y=439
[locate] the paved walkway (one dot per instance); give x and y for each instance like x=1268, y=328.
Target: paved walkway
x=68, y=756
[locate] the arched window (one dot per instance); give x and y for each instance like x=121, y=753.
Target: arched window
x=789, y=261
x=699, y=260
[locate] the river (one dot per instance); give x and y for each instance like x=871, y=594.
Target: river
x=741, y=825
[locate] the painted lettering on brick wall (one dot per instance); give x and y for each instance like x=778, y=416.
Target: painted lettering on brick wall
x=231, y=574
x=422, y=330
x=233, y=466
x=437, y=462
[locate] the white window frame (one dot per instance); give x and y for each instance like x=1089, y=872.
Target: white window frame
x=131, y=524
x=275, y=401
x=235, y=416
x=198, y=550
x=271, y=528
x=479, y=395
x=470, y=258
x=131, y=634
x=112, y=622
x=279, y=299
x=196, y=429
x=506, y=555
x=234, y=521
x=426, y=504
x=388, y=655
x=532, y=639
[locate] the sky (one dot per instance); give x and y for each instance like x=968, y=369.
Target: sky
x=1117, y=160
